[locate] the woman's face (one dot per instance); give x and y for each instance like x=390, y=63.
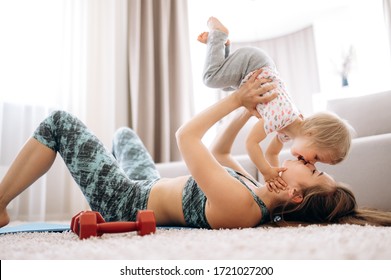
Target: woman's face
x=301, y=174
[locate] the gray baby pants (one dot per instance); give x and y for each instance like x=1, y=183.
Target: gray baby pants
x=222, y=71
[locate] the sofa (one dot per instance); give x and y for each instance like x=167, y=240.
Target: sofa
x=367, y=169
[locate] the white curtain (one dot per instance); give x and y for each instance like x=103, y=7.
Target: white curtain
x=53, y=196
x=387, y=18
x=95, y=74
x=94, y=87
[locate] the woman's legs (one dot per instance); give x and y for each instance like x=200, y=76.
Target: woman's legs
x=132, y=155
x=104, y=184
x=31, y=163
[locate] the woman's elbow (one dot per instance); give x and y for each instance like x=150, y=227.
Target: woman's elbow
x=183, y=137
x=179, y=135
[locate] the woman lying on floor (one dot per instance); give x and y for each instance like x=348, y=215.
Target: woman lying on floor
x=218, y=194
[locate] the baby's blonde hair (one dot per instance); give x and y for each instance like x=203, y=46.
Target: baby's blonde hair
x=329, y=133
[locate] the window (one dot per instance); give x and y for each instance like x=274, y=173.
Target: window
x=30, y=52
x=339, y=26
x=357, y=30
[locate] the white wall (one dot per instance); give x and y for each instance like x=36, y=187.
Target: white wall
x=362, y=27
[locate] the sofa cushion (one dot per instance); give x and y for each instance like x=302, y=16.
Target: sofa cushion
x=179, y=168
x=367, y=170
x=366, y=119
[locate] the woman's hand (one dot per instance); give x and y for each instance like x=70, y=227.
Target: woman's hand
x=252, y=93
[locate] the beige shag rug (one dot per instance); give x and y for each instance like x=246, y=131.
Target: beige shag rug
x=333, y=242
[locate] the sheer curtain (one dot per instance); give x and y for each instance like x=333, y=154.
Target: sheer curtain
x=93, y=85
x=108, y=49
x=30, y=71
x=387, y=17
x=160, y=73
x=295, y=58
x=52, y=196
x=95, y=71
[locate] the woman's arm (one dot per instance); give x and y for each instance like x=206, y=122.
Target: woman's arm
x=189, y=136
x=210, y=175
x=226, y=135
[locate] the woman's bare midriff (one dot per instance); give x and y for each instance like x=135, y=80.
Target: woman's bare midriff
x=165, y=200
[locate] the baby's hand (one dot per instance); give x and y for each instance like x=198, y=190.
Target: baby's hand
x=273, y=180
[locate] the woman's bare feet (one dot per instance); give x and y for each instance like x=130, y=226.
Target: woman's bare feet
x=4, y=218
x=215, y=24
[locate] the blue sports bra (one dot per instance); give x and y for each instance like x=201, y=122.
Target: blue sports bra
x=194, y=200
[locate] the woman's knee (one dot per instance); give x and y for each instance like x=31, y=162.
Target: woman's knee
x=124, y=133
x=60, y=114
x=124, y=136
x=60, y=117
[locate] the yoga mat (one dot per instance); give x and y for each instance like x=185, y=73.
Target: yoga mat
x=35, y=227
x=48, y=227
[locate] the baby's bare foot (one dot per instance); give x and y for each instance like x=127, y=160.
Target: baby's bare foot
x=215, y=24
x=203, y=37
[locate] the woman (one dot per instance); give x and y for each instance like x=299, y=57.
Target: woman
x=213, y=197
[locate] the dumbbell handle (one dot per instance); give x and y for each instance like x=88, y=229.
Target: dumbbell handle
x=117, y=227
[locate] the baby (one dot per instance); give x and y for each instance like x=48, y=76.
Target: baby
x=322, y=137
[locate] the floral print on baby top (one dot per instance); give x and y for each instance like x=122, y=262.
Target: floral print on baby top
x=281, y=111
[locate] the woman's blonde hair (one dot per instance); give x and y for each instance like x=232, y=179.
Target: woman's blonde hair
x=330, y=133
x=325, y=205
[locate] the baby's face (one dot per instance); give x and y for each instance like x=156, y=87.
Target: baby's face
x=302, y=148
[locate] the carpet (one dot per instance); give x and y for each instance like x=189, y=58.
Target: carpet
x=333, y=242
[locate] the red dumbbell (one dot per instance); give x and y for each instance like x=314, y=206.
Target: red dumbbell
x=90, y=223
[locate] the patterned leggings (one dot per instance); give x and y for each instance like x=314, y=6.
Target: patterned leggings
x=115, y=184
